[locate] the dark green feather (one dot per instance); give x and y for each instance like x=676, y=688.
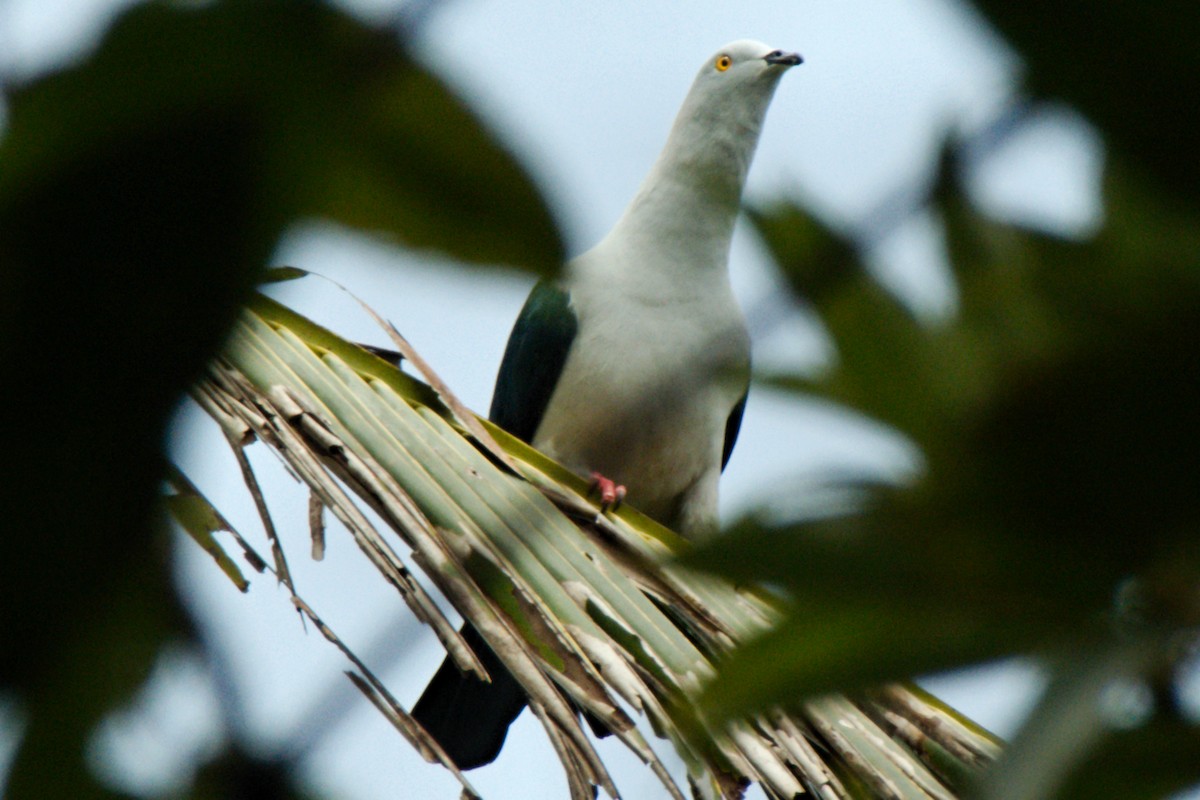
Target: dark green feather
x=533, y=360
x=467, y=716
x=733, y=424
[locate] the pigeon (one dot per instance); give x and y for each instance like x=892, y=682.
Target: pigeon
x=633, y=368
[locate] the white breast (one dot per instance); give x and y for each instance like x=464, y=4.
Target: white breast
x=648, y=386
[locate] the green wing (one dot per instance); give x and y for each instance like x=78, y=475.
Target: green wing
x=732, y=425
x=533, y=360
x=468, y=717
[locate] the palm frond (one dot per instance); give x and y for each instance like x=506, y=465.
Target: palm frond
x=586, y=611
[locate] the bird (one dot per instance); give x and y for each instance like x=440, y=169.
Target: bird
x=633, y=368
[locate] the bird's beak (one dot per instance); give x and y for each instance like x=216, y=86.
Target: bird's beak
x=785, y=59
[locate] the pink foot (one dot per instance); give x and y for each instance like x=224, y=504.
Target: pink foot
x=611, y=494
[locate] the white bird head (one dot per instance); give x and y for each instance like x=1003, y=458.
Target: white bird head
x=743, y=66
x=717, y=128
x=703, y=166
x=687, y=204
x=730, y=95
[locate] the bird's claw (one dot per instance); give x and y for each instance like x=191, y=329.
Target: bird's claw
x=611, y=494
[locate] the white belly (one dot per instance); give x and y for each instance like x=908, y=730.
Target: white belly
x=644, y=399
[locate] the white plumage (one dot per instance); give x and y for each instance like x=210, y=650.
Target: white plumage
x=636, y=365
x=661, y=357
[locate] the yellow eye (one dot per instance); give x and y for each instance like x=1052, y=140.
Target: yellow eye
x=723, y=63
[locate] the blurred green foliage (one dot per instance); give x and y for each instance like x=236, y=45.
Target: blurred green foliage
x=143, y=190
x=1056, y=421
x=1129, y=68
x=1057, y=515
x=141, y=194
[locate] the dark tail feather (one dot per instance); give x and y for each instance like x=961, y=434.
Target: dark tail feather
x=469, y=717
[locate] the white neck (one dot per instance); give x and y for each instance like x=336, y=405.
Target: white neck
x=688, y=203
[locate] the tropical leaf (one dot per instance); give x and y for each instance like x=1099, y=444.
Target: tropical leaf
x=143, y=187
x=1131, y=98
x=1055, y=419
x=582, y=609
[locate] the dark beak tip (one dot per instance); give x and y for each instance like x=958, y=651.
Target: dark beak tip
x=788, y=59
